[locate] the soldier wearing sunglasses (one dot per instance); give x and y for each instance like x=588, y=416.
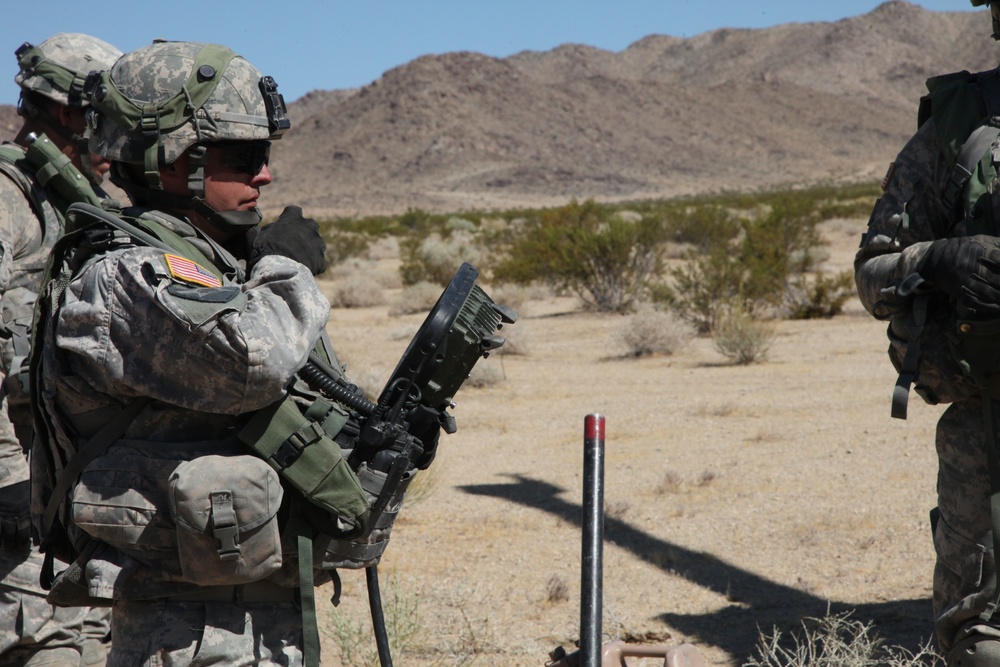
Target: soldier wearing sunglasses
x=168, y=326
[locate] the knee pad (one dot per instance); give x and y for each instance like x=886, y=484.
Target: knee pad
x=976, y=650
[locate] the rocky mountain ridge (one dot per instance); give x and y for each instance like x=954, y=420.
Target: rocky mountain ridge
x=724, y=110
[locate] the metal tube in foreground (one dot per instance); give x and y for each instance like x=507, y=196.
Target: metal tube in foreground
x=591, y=593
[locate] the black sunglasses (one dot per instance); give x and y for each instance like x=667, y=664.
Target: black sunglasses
x=246, y=157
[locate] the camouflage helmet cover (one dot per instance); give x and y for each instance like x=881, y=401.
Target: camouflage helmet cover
x=158, y=101
x=57, y=67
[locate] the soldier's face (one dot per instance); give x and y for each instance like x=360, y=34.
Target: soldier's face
x=228, y=188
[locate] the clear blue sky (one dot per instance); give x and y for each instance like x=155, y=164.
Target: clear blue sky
x=329, y=44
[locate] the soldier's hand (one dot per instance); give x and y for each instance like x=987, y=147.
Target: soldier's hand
x=15, y=524
x=291, y=235
x=968, y=270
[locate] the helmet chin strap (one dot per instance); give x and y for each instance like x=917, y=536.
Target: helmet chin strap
x=230, y=223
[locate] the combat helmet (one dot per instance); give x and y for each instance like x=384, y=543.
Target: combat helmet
x=56, y=70
x=160, y=101
x=58, y=67
x=995, y=10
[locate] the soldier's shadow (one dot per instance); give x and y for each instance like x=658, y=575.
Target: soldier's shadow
x=757, y=603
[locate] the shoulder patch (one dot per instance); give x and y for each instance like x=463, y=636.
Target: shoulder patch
x=185, y=270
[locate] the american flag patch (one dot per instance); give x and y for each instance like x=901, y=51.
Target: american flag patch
x=190, y=272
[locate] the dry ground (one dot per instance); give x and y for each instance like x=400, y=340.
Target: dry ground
x=737, y=497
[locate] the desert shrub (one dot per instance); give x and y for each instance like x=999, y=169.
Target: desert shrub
x=435, y=258
x=341, y=245
x=356, y=291
x=584, y=249
x=823, y=296
x=741, y=338
x=456, y=223
x=705, y=287
x=653, y=332
x=703, y=226
x=836, y=640
x=417, y=298
x=748, y=272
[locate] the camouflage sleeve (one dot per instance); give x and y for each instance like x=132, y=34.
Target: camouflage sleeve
x=15, y=209
x=905, y=220
x=137, y=322
x=13, y=465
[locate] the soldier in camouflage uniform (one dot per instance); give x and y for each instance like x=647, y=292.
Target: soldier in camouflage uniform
x=177, y=320
x=51, y=75
x=929, y=263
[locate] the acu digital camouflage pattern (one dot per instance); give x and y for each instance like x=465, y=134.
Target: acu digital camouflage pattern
x=192, y=633
x=31, y=629
x=206, y=355
x=154, y=75
x=51, y=68
x=893, y=246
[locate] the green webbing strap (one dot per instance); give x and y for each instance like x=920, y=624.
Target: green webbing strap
x=967, y=161
x=916, y=318
x=152, y=234
x=993, y=458
x=307, y=596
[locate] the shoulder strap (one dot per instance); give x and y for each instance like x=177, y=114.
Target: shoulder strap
x=146, y=232
x=978, y=144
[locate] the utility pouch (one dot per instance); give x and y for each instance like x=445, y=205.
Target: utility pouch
x=225, y=508
x=363, y=552
x=121, y=500
x=305, y=455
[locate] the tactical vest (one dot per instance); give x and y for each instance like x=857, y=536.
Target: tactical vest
x=215, y=543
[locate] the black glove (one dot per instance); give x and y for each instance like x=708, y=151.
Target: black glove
x=15, y=524
x=293, y=236
x=968, y=270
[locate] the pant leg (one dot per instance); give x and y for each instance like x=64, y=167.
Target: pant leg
x=964, y=570
x=166, y=633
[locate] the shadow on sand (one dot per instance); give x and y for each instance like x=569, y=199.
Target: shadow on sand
x=757, y=603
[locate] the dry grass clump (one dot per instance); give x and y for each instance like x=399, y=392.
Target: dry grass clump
x=741, y=338
x=379, y=273
x=356, y=291
x=556, y=589
x=836, y=641
x=650, y=332
x=417, y=298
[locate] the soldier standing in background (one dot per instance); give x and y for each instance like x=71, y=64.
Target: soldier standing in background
x=46, y=168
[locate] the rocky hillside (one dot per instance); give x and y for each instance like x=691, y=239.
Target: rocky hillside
x=728, y=109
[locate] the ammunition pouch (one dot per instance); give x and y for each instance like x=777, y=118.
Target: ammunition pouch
x=365, y=551
x=206, y=520
x=300, y=447
x=226, y=511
